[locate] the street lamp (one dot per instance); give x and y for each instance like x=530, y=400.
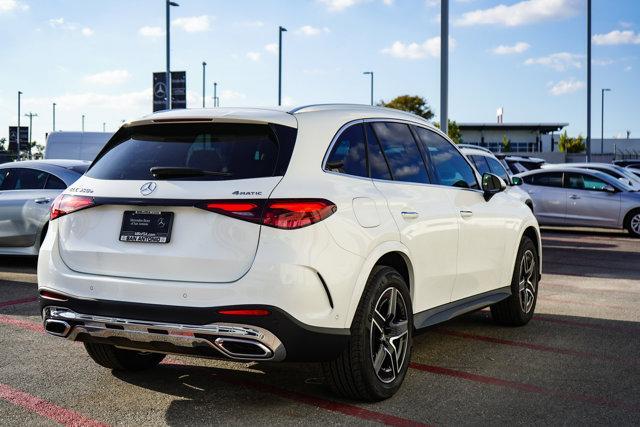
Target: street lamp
x=204, y=66
x=31, y=116
x=167, y=77
x=18, y=145
x=280, y=31
x=83, y=123
x=444, y=65
x=588, y=80
x=54, y=116
x=602, y=122
x=104, y=127
x=215, y=95
x=371, y=74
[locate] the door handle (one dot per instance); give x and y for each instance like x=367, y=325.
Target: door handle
x=574, y=197
x=409, y=214
x=42, y=200
x=466, y=213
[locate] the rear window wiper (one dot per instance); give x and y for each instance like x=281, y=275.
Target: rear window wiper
x=181, y=172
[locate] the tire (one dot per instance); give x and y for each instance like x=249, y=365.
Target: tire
x=119, y=359
x=518, y=309
x=633, y=223
x=373, y=366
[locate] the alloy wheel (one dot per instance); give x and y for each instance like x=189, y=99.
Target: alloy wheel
x=635, y=223
x=526, y=281
x=389, y=335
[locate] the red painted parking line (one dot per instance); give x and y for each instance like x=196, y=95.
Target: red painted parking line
x=307, y=399
x=18, y=301
x=587, y=325
x=21, y=323
x=60, y=415
x=531, y=346
x=529, y=388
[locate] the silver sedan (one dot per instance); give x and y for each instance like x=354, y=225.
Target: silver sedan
x=582, y=197
x=27, y=190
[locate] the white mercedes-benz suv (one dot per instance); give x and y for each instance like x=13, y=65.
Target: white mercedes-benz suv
x=327, y=233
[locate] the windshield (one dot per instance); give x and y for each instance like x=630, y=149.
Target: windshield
x=218, y=151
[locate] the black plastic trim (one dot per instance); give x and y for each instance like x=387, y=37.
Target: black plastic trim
x=445, y=312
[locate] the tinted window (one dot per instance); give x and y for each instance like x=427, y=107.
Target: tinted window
x=377, y=162
x=79, y=168
x=401, y=152
x=450, y=166
x=349, y=153
x=496, y=168
x=481, y=164
x=610, y=172
x=24, y=179
x=585, y=182
x=55, y=183
x=549, y=179
x=235, y=151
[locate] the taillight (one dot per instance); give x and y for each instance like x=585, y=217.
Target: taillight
x=245, y=312
x=292, y=214
x=67, y=203
x=286, y=214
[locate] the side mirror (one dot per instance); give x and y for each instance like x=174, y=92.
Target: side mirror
x=610, y=189
x=516, y=180
x=492, y=184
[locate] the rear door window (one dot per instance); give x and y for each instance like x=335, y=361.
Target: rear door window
x=401, y=152
x=578, y=181
x=481, y=164
x=221, y=151
x=349, y=153
x=24, y=179
x=377, y=163
x=548, y=179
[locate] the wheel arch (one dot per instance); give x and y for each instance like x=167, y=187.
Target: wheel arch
x=392, y=254
x=628, y=215
x=534, y=234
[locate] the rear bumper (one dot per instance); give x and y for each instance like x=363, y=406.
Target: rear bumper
x=193, y=331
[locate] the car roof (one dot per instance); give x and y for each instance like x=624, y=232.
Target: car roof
x=286, y=117
x=565, y=169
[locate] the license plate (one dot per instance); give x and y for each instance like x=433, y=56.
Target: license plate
x=146, y=227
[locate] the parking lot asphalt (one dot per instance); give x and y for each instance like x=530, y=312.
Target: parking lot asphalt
x=576, y=362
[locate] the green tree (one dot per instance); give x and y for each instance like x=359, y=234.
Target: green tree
x=506, y=144
x=37, y=150
x=3, y=146
x=571, y=145
x=413, y=104
x=453, y=130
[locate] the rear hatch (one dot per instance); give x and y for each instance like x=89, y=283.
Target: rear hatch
x=150, y=188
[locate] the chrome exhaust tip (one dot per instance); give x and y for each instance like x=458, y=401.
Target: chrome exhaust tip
x=58, y=328
x=236, y=348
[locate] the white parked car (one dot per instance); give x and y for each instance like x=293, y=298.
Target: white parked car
x=486, y=162
x=326, y=233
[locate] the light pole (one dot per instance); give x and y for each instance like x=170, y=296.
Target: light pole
x=18, y=136
x=83, y=123
x=54, y=116
x=602, y=122
x=215, y=94
x=31, y=116
x=588, y=80
x=371, y=74
x=167, y=77
x=280, y=31
x=444, y=65
x=104, y=127
x=204, y=66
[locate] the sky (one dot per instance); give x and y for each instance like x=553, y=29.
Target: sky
x=528, y=56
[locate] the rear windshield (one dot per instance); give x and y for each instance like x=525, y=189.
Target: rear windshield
x=79, y=168
x=224, y=151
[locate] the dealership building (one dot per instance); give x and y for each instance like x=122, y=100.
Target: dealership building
x=524, y=137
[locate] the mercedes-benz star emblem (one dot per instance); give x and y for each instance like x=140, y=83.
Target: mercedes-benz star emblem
x=148, y=188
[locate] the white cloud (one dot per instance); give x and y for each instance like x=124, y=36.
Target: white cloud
x=193, y=24
x=429, y=48
x=617, y=37
x=339, y=5
x=308, y=30
x=521, y=13
x=250, y=24
x=628, y=68
x=602, y=62
x=12, y=5
x=564, y=87
x=151, y=32
x=136, y=102
x=510, y=50
x=231, y=95
x=388, y=2
x=62, y=24
x=87, y=32
x=558, y=61
x=110, y=77
x=271, y=48
x=288, y=101
x=432, y=3
x=254, y=56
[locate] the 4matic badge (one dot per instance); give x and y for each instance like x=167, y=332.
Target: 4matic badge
x=247, y=193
